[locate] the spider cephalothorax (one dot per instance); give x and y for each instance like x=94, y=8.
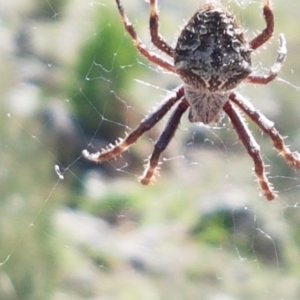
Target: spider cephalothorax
x=212, y=57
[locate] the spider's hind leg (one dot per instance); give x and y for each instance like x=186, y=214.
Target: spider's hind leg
x=267, y=33
x=281, y=55
x=156, y=38
x=139, y=44
x=252, y=147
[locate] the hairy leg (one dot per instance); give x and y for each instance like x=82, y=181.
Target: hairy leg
x=264, y=79
x=156, y=38
x=163, y=141
x=252, y=147
x=139, y=44
x=267, y=126
x=123, y=144
x=267, y=33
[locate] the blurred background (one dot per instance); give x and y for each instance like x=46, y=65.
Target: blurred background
x=70, y=80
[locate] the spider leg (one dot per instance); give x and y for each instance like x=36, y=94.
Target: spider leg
x=156, y=38
x=266, y=34
x=281, y=55
x=139, y=44
x=252, y=147
x=267, y=126
x=121, y=145
x=163, y=141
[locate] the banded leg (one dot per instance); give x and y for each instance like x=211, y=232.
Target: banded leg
x=252, y=147
x=281, y=55
x=163, y=141
x=123, y=144
x=267, y=33
x=140, y=45
x=156, y=38
x=267, y=126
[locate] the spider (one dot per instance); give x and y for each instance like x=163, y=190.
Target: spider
x=212, y=57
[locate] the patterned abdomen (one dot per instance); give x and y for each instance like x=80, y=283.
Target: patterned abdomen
x=211, y=57
x=211, y=52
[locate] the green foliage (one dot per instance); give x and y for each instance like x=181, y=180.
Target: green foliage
x=213, y=229
x=28, y=241
x=104, y=67
x=111, y=206
x=167, y=247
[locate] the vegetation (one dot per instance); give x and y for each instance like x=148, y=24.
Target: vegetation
x=74, y=230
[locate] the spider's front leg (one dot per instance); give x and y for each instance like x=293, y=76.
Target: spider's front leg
x=163, y=141
x=252, y=147
x=267, y=126
x=114, y=150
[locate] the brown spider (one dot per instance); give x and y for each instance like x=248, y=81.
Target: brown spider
x=211, y=57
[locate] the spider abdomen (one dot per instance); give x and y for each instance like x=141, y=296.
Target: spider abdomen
x=211, y=52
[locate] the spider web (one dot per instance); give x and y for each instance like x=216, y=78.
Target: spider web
x=74, y=230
